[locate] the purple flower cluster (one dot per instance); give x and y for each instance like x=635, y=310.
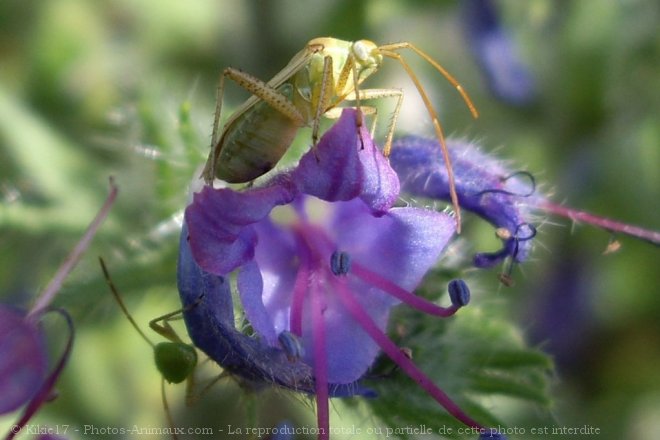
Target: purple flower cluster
x=320, y=257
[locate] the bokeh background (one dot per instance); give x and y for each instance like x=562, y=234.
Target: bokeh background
x=127, y=88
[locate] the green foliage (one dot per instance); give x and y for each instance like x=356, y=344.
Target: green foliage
x=478, y=358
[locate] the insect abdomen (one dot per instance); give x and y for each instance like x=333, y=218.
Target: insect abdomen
x=254, y=143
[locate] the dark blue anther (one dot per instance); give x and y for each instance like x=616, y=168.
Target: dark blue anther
x=340, y=263
x=459, y=292
x=291, y=345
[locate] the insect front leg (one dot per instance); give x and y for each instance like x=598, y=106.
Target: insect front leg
x=365, y=110
x=165, y=329
x=390, y=51
x=367, y=94
x=438, y=130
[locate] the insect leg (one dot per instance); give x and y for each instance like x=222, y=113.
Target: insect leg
x=266, y=93
x=165, y=329
x=448, y=76
x=367, y=94
x=120, y=301
x=168, y=412
x=209, y=169
x=366, y=110
x=438, y=131
x=344, y=88
x=321, y=97
x=219, y=94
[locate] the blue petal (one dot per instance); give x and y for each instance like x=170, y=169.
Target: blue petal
x=208, y=313
x=347, y=164
x=332, y=171
x=219, y=219
x=22, y=360
x=350, y=350
x=209, y=316
x=250, y=287
x=278, y=261
x=401, y=246
x=508, y=77
x=381, y=184
x=483, y=185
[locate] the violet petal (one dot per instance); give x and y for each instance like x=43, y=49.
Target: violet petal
x=346, y=164
x=483, y=185
x=23, y=360
x=400, y=246
x=219, y=220
x=250, y=287
x=209, y=318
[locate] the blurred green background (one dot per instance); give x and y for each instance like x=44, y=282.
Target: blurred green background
x=127, y=88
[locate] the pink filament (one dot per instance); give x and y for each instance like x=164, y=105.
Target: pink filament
x=299, y=290
x=403, y=295
x=311, y=244
x=307, y=281
x=390, y=348
x=320, y=363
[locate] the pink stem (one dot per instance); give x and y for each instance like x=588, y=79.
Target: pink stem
x=390, y=348
x=320, y=364
x=301, y=283
x=389, y=287
x=72, y=259
x=601, y=222
x=299, y=290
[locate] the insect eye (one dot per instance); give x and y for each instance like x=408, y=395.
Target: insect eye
x=363, y=50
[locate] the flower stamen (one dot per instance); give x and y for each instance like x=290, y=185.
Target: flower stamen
x=395, y=353
x=403, y=295
x=340, y=263
x=320, y=361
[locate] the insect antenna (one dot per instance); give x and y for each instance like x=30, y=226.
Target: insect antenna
x=120, y=301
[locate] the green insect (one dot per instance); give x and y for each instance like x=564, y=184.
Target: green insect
x=316, y=81
x=175, y=360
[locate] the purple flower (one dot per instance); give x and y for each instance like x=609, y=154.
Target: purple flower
x=508, y=77
x=484, y=187
x=23, y=360
x=321, y=258
x=23, y=351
